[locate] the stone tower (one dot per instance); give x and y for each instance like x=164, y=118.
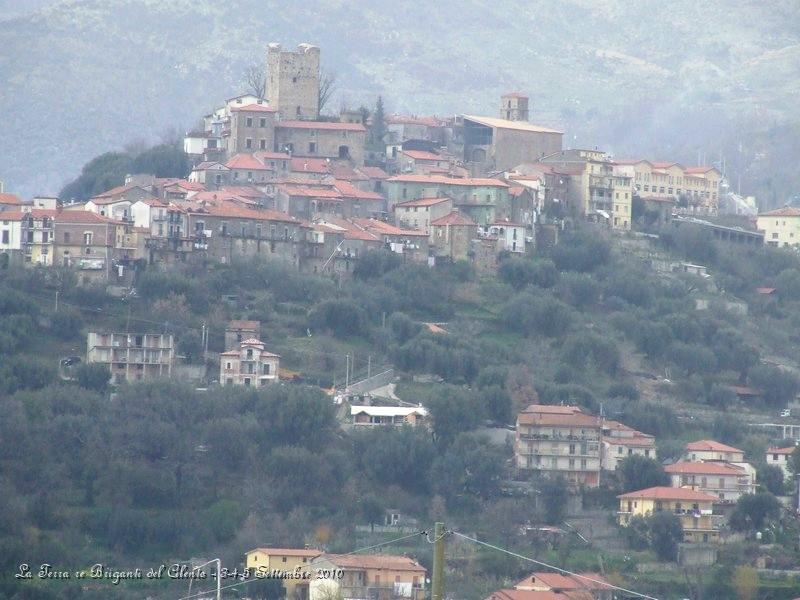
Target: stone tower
x=514, y=107
x=293, y=81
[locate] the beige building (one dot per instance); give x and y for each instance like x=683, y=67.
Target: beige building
x=450, y=235
x=596, y=189
x=251, y=127
x=724, y=480
x=779, y=457
x=492, y=144
x=693, y=508
x=703, y=450
x=581, y=586
x=620, y=441
x=249, y=365
x=293, y=81
x=559, y=441
x=272, y=562
x=695, y=190
x=514, y=107
x=131, y=356
x=321, y=139
x=370, y=576
x=418, y=214
x=372, y=416
x=781, y=226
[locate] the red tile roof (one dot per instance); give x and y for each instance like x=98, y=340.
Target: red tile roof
x=786, y=211
x=246, y=161
x=454, y=218
x=670, y=493
x=10, y=199
x=374, y=561
x=422, y=155
x=264, y=154
x=118, y=191
x=253, y=108
x=698, y=170
x=11, y=215
x=232, y=210
x=192, y=186
x=302, y=164
x=374, y=172
x=321, y=125
x=348, y=190
x=377, y=227
x=710, y=446
x=558, y=581
x=789, y=450
x=510, y=594
x=702, y=468
x=81, y=216
x=310, y=192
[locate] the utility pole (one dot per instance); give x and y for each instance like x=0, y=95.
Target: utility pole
x=369, y=366
x=347, y=373
x=437, y=582
x=56, y=309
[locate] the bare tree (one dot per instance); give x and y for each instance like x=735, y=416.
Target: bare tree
x=256, y=79
x=327, y=87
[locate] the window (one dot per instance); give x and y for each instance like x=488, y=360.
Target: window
x=5, y=236
x=312, y=147
x=66, y=237
x=249, y=121
x=262, y=144
x=247, y=381
x=87, y=238
x=228, y=365
x=248, y=143
x=262, y=122
x=298, y=111
x=249, y=353
x=294, y=80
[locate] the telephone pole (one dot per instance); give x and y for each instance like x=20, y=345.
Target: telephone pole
x=437, y=582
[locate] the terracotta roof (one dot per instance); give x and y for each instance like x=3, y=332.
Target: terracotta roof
x=454, y=218
x=348, y=190
x=346, y=173
x=11, y=215
x=374, y=561
x=766, y=291
x=424, y=202
x=244, y=191
x=10, y=199
x=516, y=190
x=786, y=211
x=506, y=124
x=377, y=227
x=468, y=181
x=118, y=191
x=511, y=594
x=309, y=165
x=246, y=161
x=670, y=493
x=509, y=223
x=667, y=200
x=710, y=446
x=231, y=210
x=703, y=468
x=310, y=192
x=347, y=229
x=789, y=450
x=192, y=186
x=698, y=170
x=665, y=164
x=422, y=155
x=253, y=108
x=556, y=409
x=81, y=216
x=307, y=552
x=374, y=172
x=577, y=419
x=558, y=581
x=321, y=125
x=152, y=202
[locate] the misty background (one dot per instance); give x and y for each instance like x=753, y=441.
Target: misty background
x=714, y=82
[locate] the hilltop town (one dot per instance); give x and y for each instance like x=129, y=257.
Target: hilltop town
x=321, y=332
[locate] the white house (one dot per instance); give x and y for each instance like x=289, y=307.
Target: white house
x=249, y=365
x=10, y=232
x=510, y=234
x=779, y=457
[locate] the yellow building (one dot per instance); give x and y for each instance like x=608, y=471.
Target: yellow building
x=694, y=509
x=694, y=189
x=275, y=561
x=781, y=227
x=597, y=189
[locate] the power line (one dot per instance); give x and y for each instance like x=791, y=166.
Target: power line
x=245, y=582
x=553, y=567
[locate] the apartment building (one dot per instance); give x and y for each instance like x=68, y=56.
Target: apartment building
x=263, y=562
x=781, y=226
x=620, y=441
x=373, y=576
x=250, y=364
x=779, y=457
x=693, y=508
x=132, y=356
x=555, y=441
x=596, y=189
x=418, y=214
x=724, y=480
x=703, y=450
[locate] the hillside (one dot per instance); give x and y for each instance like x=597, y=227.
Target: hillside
x=83, y=76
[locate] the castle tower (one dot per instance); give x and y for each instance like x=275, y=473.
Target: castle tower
x=514, y=107
x=293, y=81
